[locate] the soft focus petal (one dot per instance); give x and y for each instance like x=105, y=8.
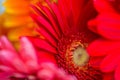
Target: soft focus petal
x=107, y=22
x=51, y=72
x=28, y=53
x=6, y=68
x=106, y=25
x=102, y=47
x=5, y=44
x=11, y=59
x=15, y=21
x=96, y=61
x=117, y=73
x=111, y=61
x=5, y=75
x=108, y=76
x=103, y=6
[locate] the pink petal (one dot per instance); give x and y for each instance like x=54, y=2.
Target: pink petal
x=28, y=53
x=51, y=72
x=102, y=47
x=5, y=75
x=5, y=44
x=111, y=61
x=103, y=6
x=12, y=60
x=43, y=45
x=117, y=73
x=6, y=68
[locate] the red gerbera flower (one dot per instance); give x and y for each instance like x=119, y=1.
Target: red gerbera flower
x=27, y=64
x=107, y=24
x=64, y=27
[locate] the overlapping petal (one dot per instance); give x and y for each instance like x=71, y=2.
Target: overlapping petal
x=103, y=47
x=58, y=23
x=106, y=24
x=28, y=61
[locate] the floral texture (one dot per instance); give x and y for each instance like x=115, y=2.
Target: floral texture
x=107, y=25
x=64, y=27
x=27, y=63
x=15, y=20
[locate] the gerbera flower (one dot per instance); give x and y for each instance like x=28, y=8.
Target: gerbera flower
x=64, y=27
x=16, y=20
x=107, y=25
x=27, y=63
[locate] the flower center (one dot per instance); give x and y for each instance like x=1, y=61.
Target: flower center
x=74, y=58
x=80, y=56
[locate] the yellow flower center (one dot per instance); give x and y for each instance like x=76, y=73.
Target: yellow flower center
x=80, y=56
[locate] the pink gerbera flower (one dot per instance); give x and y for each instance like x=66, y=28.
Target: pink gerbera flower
x=64, y=28
x=107, y=25
x=27, y=64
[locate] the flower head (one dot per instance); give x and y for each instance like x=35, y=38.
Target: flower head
x=107, y=25
x=64, y=27
x=28, y=63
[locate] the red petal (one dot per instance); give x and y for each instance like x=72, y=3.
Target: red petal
x=44, y=57
x=51, y=18
x=46, y=32
x=108, y=76
x=109, y=26
x=95, y=61
x=48, y=37
x=102, y=47
x=92, y=25
x=45, y=25
x=61, y=23
x=103, y=6
x=42, y=44
x=111, y=61
x=117, y=73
